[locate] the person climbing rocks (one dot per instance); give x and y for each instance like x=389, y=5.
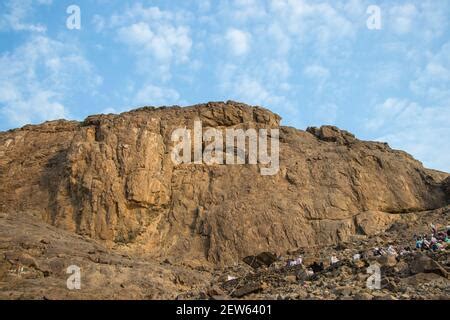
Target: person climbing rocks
x=296, y=262
x=391, y=251
x=334, y=260
x=419, y=243
x=433, y=229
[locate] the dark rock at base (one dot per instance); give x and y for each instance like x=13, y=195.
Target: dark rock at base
x=262, y=259
x=424, y=264
x=247, y=289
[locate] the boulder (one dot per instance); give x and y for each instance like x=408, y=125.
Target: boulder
x=374, y=222
x=247, y=289
x=424, y=264
x=260, y=260
x=387, y=260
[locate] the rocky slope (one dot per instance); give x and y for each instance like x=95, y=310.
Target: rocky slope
x=34, y=257
x=111, y=179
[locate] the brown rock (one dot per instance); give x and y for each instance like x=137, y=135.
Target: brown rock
x=262, y=259
x=247, y=289
x=387, y=260
x=429, y=278
x=446, y=187
x=384, y=297
x=424, y=264
x=111, y=178
x=291, y=278
x=343, y=291
x=373, y=222
x=332, y=134
x=363, y=296
x=22, y=259
x=216, y=293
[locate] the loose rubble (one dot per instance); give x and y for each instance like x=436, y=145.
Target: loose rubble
x=106, y=196
x=34, y=258
x=407, y=272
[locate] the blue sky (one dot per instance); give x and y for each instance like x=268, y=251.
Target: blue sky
x=312, y=62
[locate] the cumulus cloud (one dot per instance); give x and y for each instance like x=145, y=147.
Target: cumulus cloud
x=422, y=131
x=238, y=41
x=425, y=20
x=156, y=96
x=37, y=77
x=311, y=21
x=419, y=123
x=18, y=12
x=98, y=22
x=37, y=107
x=284, y=54
x=253, y=87
x=279, y=33
x=403, y=17
x=432, y=81
x=246, y=10
x=158, y=38
x=280, y=38
x=203, y=5
x=164, y=42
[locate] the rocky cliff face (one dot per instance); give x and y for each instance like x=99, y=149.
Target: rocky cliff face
x=111, y=177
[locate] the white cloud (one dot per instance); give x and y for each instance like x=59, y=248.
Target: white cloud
x=17, y=12
x=403, y=18
x=278, y=27
x=244, y=10
x=311, y=21
x=37, y=77
x=388, y=111
x=253, y=87
x=433, y=79
x=203, y=5
x=316, y=72
x=164, y=42
x=424, y=20
x=280, y=38
x=238, y=41
x=151, y=95
x=386, y=75
x=435, y=20
x=140, y=13
x=99, y=23
x=40, y=106
x=421, y=131
x=158, y=38
x=110, y=110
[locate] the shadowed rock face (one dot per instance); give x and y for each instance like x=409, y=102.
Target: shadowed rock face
x=111, y=177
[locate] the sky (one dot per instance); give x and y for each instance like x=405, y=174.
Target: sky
x=312, y=62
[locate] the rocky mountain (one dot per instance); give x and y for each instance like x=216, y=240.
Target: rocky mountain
x=111, y=179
